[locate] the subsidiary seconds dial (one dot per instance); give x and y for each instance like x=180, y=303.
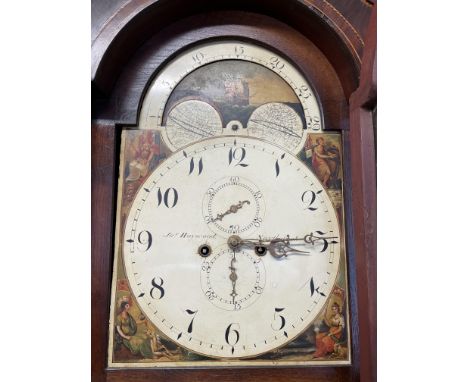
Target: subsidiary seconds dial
x=230, y=301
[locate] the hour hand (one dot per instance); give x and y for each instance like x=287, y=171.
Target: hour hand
x=279, y=248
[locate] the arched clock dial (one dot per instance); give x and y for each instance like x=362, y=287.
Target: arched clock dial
x=231, y=88
x=273, y=238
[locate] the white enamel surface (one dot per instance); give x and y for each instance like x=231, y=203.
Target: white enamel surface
x=164, y=83
x=178, y=231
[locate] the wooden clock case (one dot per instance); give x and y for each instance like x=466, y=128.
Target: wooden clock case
x=127, y=53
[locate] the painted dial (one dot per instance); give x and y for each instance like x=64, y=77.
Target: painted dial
x=223, y=83
x=232, y=303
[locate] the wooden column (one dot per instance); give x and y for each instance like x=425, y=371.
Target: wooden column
x=102, y=221
x=363, y=173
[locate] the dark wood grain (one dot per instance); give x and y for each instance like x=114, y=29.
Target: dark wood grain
x=103, y=162
x=128, y=93
x=320, y=374
x=364, y=183
x=139, y=20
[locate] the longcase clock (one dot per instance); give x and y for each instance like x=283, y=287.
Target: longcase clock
x=229, y=193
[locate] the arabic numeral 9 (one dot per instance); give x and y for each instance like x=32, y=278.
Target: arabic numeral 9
x=145, y=239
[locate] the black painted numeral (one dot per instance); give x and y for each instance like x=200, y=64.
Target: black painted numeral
x=169, y=197
x=193, y=165
x=312, y=286
x=232, y=335
x=192, y=313
x=145, y=238
x=314, y=289
x=308, y=198
x=157, y=286
x=325, y=241
x=277, y=166
x=237, y=155
x=281, y=319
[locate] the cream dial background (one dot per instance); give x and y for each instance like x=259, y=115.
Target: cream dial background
x=178, y=229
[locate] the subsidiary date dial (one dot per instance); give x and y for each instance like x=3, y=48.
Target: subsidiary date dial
x=230, y=302
x=233, y=280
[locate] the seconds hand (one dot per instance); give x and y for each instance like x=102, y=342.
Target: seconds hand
x=232, y=210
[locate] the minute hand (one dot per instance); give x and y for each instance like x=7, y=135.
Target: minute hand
x=281, y=247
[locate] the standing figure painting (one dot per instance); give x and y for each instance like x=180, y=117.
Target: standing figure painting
x=324, y=162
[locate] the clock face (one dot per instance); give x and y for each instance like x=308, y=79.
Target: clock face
x=231, y=246
x=231, y=88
